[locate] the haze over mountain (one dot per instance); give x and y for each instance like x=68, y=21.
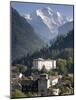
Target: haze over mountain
x=65, y=28
x=24, y=39
x=47, y=23
x=63, y=47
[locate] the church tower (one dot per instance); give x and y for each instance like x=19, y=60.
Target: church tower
x=43, y=85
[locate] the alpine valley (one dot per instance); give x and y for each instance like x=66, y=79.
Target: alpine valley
x=42, y=50
x=32, y=32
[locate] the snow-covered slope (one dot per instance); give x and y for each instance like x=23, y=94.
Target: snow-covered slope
x=46, y=23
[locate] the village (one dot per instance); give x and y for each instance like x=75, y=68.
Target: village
x=43, y=80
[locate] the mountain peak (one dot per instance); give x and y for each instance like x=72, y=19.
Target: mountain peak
x=45, y=10
x=46, y=22
x=49, y=9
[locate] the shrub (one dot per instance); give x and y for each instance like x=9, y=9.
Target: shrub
x=17, y=93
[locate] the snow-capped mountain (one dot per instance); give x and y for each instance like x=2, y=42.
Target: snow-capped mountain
x=46, y=22
x=50, y=18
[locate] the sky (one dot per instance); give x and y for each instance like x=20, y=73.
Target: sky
x=27, y=8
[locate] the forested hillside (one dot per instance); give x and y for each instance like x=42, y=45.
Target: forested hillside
x=24, y=39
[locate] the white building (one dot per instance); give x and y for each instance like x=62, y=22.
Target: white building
x=39, y=63
x=56, y=91
x=53, y=80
